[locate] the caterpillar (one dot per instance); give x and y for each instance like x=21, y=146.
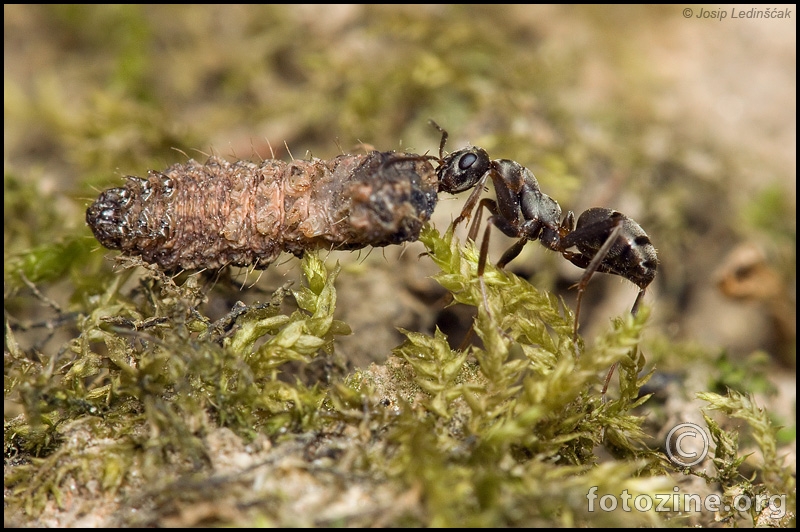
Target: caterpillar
x=194, y=216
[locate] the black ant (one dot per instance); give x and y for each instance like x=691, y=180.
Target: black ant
x=606, y=240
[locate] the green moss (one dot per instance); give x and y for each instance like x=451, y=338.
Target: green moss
x=117, y=383
x=771, y=480
x=508, y=434
x=530, y=404
x=140, y=365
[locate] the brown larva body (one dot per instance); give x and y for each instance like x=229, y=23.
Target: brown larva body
x=194, y=216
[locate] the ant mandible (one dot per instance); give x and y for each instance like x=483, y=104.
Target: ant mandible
x=606, y=240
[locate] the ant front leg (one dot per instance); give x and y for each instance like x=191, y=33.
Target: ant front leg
x=482, y=258
x=469, y=205
x=507, y=227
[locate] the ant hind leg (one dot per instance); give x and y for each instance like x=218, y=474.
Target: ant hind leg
x=613, y=368
x=591, y=266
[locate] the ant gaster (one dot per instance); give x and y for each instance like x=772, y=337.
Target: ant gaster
x=606, y=240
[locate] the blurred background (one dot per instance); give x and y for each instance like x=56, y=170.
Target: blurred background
x=685, y=124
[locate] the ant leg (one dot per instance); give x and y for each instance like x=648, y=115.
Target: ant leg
x=639, y=297
x=512, y=253
x=482, y=265
x=466, y=212
x=507, y=227
x=490, y=206
x=591, y=268
x=607, y=380
x=481, y=268
x=467, y=337
x=634, y=311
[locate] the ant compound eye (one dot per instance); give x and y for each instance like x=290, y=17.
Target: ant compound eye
x=467, y=161
x=462, y=170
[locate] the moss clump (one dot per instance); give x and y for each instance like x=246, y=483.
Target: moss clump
x=514, y=433
x=770, y=484
x=150, y=375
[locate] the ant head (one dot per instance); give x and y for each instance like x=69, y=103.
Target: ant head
x=461, y=170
